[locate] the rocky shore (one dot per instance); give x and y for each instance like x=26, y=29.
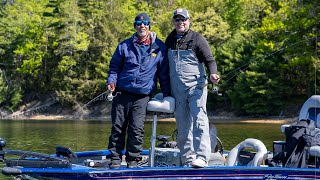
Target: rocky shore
x=100, y=111
x=213, y=119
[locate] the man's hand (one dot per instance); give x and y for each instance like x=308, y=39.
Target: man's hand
x=214, y=78
x=110, y=87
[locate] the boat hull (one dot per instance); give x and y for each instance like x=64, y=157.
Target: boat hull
x=238, y=172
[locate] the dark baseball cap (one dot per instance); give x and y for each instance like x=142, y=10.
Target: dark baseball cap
x=143, y=17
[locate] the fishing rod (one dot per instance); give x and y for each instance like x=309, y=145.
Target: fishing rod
x=315, y=67
x=4, y=76
x=215, y=88
x=106, y=95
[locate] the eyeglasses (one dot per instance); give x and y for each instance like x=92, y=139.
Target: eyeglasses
x=180, y=19
x=139, y=23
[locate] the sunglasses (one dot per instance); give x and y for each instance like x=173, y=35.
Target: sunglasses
x=180, y=19
x=139, y=23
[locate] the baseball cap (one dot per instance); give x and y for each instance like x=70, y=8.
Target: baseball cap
x=182, y=12
x=143, y=17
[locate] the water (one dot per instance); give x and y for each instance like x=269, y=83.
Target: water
x=44, y=135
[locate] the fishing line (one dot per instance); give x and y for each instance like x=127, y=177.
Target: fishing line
x=315, y=77
x=246, y=65
x=106, y=96
x=315, y=67
x=4, y=76
x=100, y=97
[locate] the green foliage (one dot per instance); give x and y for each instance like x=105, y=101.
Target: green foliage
x=16, y=98
x=266, y=50
x=211, y=26
x=284, y=60
x=3, y=88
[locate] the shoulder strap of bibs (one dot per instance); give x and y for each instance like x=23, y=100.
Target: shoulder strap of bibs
x=190, y=43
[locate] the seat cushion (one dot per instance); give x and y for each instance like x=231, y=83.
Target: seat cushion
x=161, y=104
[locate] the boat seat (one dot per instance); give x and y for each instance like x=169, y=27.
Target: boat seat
x=315, y=133
x=314, y=151
x=257, y=158
x=311, y=110
x=314, y=157
x=161, y=104
x=311, y=115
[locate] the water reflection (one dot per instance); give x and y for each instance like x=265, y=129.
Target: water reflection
x=44, y=135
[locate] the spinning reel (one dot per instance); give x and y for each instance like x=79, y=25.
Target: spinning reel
x=110, y=96
x=214, y=89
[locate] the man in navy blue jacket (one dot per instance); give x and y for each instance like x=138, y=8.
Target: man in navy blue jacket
x=134, y=69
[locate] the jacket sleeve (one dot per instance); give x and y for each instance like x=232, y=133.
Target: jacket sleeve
x=204, y=54
x=163, y=73
x=115, y=66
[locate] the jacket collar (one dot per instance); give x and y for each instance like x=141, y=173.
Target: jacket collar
x=153, y=37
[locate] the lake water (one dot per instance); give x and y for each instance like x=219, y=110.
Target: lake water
x=44, y=135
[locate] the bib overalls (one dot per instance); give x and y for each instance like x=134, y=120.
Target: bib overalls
x=188, y=86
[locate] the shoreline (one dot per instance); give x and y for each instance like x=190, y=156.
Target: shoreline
x=212, y=119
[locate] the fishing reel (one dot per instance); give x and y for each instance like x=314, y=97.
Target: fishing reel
x=110, y=95
x=214, y=89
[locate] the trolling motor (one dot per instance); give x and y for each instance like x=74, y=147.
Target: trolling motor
x=2, y=145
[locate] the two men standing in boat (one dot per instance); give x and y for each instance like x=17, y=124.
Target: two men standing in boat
x=134, y=69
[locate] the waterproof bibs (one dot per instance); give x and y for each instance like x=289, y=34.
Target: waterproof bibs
x=185, y=67
x=188, y=80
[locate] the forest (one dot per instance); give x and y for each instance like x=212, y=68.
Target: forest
x=266, y=50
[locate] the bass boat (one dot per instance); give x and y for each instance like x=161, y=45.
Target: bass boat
x=296, y=158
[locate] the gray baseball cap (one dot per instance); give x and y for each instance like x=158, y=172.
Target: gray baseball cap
x=182, y=12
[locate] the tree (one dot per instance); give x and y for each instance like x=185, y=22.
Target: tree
x=285, y=58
